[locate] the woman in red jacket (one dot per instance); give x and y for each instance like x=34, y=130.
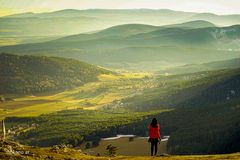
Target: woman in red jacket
x=154, y=135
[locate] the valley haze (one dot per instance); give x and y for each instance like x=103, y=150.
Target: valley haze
x=71, y=79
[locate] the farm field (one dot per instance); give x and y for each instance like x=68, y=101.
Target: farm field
x=90, y=96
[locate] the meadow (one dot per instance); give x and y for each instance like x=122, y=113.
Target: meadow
x=91, y=96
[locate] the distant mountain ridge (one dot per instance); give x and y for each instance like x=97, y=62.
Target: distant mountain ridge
x=81, y=21
x=193, y=24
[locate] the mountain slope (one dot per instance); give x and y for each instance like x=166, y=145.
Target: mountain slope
x=128, y=30
x=80, y=21
x=142, y=45
x=200, y=37
x=115, y=31
x=205, y=107
x=30, y=74
x=193, y=90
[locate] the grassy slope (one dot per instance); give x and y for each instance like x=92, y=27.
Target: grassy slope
x=66, y=153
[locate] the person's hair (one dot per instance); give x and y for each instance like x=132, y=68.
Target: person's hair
x=154, y=123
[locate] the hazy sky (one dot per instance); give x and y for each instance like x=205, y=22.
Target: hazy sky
x=214, y=6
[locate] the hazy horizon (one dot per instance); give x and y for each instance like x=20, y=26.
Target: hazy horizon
x=220, y=7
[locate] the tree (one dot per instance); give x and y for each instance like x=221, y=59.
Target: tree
x=88, y=145
x=111, y=150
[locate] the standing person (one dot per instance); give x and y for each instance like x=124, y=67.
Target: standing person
x=154, y=135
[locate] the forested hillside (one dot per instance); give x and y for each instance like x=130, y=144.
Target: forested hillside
x=72, y=126
x=196, y=110
x=206, y=115
x=38, y=74
x=206, y=129
x=191, y=89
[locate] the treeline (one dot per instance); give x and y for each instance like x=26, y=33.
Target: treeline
x=38, y=74
x=71, y=126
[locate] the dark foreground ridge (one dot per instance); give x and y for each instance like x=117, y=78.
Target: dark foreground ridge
x=13, y=151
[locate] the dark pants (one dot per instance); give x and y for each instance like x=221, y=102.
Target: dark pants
x=154, y=145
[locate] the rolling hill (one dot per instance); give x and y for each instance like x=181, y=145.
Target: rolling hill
x=32, y=74
x=40, y=27
x=192, y=24
x=142, y=47
x=79, y=21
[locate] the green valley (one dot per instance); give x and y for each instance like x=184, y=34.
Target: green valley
x=86, y=84
x=124, y=104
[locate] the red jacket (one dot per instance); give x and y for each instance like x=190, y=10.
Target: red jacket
x=154, y=132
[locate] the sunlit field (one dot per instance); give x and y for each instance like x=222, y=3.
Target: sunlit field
x=90, y=96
